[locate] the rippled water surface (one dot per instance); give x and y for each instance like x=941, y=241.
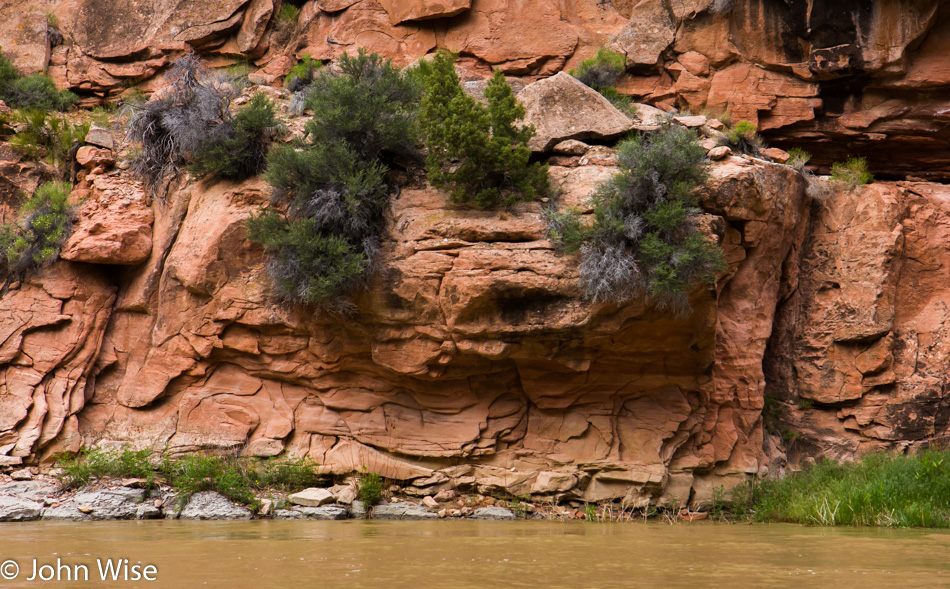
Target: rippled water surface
x=462, y=554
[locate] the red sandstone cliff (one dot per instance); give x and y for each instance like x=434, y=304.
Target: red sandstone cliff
x=473, y=360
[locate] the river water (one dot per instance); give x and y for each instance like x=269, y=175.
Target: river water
x=463, y=554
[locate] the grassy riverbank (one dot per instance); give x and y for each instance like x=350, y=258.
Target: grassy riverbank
x=877, y=490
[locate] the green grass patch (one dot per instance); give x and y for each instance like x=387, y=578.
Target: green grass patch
x=877, y=490
x=240, y=479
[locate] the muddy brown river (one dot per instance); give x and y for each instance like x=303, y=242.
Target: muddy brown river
x=463, y=554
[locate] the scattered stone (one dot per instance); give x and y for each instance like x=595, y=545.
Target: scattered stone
x=715, y=124
x=402, y=511
x=429, y=502
x=442, y=513
x=493, y=513
x=775, y=154
x=17, y=509
x=312, y=497
x=571, y=147
x=266, y=507
x=446, y=495
x=135, y=483
x=212, y=505
x=22, y=474
x=100, y=137
x=561, y=107
x=85, y=508
x=288, y=514
x=91, y=157
x=454, y=512
x=650, y=115
x=344, y=494
x=708, y=144
x=691, y=121
x=718, y=153
x=10, y=460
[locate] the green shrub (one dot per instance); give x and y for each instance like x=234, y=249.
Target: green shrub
x=35, y=92
x=302, y=74
x=601, y=71
x=642, y=241
x=175, y=126
x=475, y=151
x=369, y=107
x=744, y=138
x=370, y=489
x=333, y=185
x=237, y=149
x=48, y=137
x=45, y=223
x=798, y=157
x=566, y=229
x=853, y=171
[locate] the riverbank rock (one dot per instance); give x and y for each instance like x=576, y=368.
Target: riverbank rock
x=326, y=512
x=212, y=505
x=402, y=511
x=17, y=509
x=494, y=512
x=107, y=504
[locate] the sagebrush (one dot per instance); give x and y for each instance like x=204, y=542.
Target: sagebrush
x=332, y=188
x=643, y=241
x=175, y=125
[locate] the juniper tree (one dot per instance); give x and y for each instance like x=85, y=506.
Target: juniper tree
x=477, y=152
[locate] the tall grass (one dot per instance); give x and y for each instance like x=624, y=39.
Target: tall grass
x=877, y=490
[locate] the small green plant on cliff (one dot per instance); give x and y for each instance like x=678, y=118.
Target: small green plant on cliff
x=333, y=185
x=45, y=221
x=237, y=149
x=643, y=240
x=370, y=488
x=852, y=172
x=36, y=91
x=288, y=15
x=479, y=153
x=601, y=72
x=48, y=138
x=302, y=73
x=743, y=137
x=797, y=158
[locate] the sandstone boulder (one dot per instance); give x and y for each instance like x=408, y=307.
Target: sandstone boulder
x=561, y=108
x=649, y=32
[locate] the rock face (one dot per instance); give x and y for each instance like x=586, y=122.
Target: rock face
x=473, y=361
x=859, y=353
